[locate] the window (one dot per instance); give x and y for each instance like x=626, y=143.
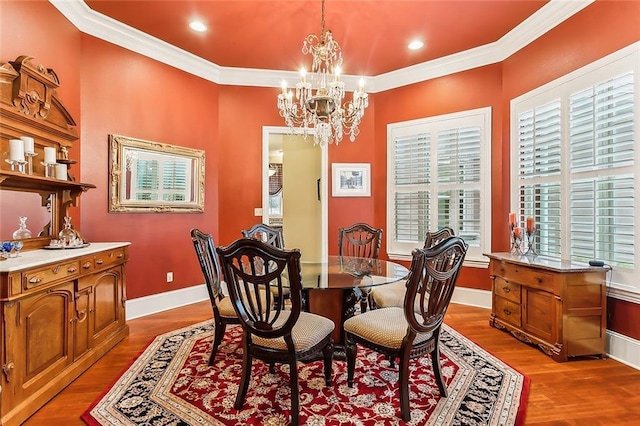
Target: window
x=576, y=164
x=160, y=178
x=439, y=175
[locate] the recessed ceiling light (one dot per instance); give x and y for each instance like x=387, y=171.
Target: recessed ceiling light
x=198, y=26
x=415, y=45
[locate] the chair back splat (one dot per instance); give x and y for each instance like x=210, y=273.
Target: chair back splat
x=271, y=333
x=223, y=312
x=413, y=330
x=359, y=240
x=265, y=233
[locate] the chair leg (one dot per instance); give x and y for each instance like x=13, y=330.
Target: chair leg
x=403, y=386
x=351, y=352
x=295, y=398
x=327, y=352
x=219, y=331
x=247, y=361
x=272, y=367
x=392, y=361
x=437, y=372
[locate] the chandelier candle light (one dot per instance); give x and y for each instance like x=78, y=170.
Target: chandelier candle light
x=321, y=108
x=515, y=234
x=531, y=236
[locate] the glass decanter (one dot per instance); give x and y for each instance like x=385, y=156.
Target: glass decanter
x=22, y=232
x=68, y=235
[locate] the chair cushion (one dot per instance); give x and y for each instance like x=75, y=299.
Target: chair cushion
x=309, y=330
x=226, y=309
x=389, y=295
x=384, y=327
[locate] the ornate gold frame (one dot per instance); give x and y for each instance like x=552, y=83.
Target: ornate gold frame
x=119, y=149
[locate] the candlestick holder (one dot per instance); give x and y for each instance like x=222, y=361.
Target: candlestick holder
x=49, y=169
x=16, y=165
x=516, y=239
x=531, y=242
x=30, y=156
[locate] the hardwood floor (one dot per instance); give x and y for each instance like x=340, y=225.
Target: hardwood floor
x=579, y=392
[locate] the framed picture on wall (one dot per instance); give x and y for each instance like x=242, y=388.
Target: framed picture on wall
x=351, y=179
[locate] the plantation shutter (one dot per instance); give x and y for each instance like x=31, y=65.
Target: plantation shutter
x=411, y=179
x=174, y=180
x=601, y=146
x=538, y=179
x=458, y=177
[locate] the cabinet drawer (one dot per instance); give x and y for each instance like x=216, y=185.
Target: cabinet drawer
x=507, y=311
x=48, y=274
x=102, y=260
x=507, y=289
x=523, y=275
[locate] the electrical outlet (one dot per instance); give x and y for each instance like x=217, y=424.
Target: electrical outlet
x=169, y=277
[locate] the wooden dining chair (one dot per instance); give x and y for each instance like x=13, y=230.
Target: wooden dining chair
x=360, y=240
x=265, y=233
x=403, y=332
x=390, y=295
x=223, y=311
x=271, y=333
x=272, y=236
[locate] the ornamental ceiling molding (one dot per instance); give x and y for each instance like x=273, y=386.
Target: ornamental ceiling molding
x=105, y=28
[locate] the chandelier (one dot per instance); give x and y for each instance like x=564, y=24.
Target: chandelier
x=319, y=96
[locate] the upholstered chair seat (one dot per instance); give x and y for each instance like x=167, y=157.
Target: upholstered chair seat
x=383, y=327
x=308, y=331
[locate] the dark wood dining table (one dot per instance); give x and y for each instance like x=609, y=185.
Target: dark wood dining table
x=333, y=286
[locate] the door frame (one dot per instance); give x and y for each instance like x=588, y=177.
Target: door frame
x=281, y=130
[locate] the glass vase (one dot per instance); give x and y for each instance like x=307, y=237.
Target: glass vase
x=22, y=232
x=68, y=236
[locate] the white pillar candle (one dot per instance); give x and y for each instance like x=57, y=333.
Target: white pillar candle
x=29, y=147
x=61, y=171
x=49, y=155
x=16, y=149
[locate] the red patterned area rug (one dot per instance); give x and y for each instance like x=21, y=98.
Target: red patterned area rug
x=170, y=383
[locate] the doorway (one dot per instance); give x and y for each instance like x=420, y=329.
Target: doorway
x=300, y=206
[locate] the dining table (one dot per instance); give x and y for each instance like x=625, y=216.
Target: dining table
x=333, y=286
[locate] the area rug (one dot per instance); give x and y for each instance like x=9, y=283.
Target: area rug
x=170, y=383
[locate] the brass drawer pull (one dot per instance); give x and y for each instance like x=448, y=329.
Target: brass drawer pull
x=86, y=265
x=506, y=289
x=99, y=261
x=120, y=256
x=506, y=311
x=35, y=280
x=72, y=269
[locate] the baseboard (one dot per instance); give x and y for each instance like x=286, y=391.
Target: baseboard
x=623, y=349
x=155, y=303
x=620, y=347
x=472, y=297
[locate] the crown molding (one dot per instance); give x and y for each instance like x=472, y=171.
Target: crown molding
x=105, y=28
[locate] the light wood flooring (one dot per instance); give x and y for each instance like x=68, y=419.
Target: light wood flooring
x=580, y=392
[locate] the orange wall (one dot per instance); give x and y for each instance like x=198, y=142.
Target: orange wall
x=596, y=31
x=477, y=88
x=129, y=94
x=122, y=92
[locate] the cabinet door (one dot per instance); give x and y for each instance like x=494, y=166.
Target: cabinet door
x=106, y=303
x=39, y=341
x=540, y=313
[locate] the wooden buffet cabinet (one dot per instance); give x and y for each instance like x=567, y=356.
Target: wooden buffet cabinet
x=560, y=306
x=60, y=310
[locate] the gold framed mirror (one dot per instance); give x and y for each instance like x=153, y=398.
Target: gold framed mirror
x=150, y=176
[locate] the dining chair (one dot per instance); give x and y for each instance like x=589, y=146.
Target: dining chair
x=265, y=233
x=393, y=294
x=360, y=240
x=403, y=332
x=271, y=333
x=269, y=235
x=223, y=311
